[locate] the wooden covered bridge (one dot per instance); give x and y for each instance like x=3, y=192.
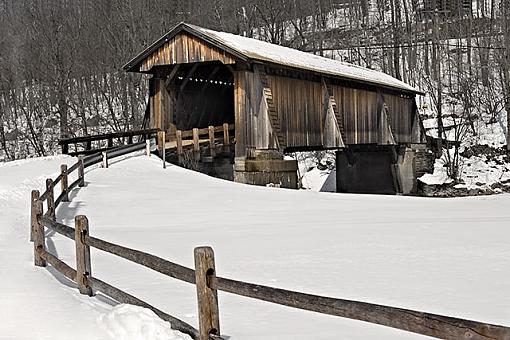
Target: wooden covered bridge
x=258, y=101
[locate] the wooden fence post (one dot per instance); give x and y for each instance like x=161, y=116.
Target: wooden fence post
x=38, y=230
x=34, y=200
x=51, y=198
x=81, y=171
x=105, y=160
x=164, y=149
x=148, y=147
x=83, y=266
x=196, y=144
x=178, y=137
x=207, y=298
x=64, y=183
x=212, y=145
x=160, y=141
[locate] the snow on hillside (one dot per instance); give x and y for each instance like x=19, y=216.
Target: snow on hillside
x=446, y=256
x=38, y=303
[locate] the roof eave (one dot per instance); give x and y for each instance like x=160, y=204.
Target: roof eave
x=344, y=78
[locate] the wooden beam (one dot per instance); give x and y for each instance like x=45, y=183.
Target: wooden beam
x=188, y=76
x=172, y=75
x=231, y=69
x=333, y=127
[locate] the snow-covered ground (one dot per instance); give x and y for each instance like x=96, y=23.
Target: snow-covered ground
x=445, y=256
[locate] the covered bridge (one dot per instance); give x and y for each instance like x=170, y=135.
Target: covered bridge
x=279, y=100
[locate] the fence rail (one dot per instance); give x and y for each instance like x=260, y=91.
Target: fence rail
x=207, y=283
x=103, y=142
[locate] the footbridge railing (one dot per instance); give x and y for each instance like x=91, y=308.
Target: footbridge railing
x=87, y=145
x=216, y=139
x=208, y=283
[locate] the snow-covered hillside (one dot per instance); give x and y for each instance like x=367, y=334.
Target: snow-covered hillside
x=445, y=256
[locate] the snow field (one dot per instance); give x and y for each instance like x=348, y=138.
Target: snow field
x=444, y=256
x=401, y=251
x=39, y=303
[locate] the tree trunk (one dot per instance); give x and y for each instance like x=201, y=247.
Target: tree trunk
x=506, y=66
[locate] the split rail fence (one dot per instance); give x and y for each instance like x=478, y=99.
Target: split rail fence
x=204, y=277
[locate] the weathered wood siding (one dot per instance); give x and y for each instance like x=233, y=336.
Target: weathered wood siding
x=400, y=111
x=300, y=107
x=253, y=128
x=360, y=110
x=184, y=48
x=162, y=107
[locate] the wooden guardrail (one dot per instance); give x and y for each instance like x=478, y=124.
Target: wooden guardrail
x=207, y=283
x=87, y=145
x=215, y=138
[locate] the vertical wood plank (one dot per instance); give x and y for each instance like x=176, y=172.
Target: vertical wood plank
x=240, y=113
x=83, y=266
x=158, y=116
x=226, y=135
x=207, y=298
x=64, y=183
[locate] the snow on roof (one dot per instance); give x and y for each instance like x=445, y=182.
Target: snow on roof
x=264, y=51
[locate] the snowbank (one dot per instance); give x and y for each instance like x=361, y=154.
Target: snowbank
x=127, y=322
x=444, y=256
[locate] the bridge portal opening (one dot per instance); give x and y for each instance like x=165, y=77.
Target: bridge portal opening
x=204, y=96
x=193, y=103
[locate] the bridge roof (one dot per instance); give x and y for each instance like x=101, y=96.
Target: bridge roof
x=249, y=49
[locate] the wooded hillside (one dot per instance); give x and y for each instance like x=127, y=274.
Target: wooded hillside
x=60, y=60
